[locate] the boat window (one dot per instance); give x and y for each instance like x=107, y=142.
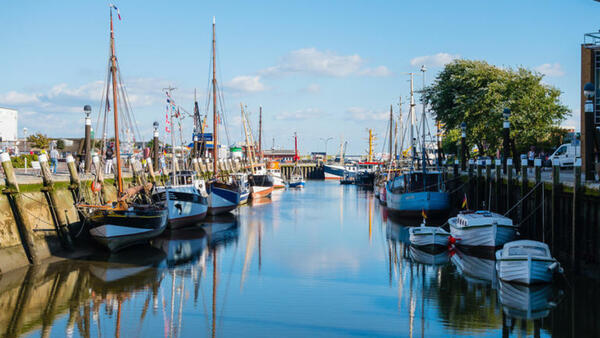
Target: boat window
x=527, y=250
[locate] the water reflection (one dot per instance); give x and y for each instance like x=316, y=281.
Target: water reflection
x=294, y=266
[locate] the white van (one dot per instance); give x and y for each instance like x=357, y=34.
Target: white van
x=566, y=154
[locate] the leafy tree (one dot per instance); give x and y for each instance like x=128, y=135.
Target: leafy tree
x=60, y=144
x=477, y=93
x=38, y=140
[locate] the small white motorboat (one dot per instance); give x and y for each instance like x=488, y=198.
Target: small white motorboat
x=428, y=236
x=526, y=262
x=481, y=228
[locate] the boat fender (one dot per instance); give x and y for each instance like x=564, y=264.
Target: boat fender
x=453, y=240
x=553, y=266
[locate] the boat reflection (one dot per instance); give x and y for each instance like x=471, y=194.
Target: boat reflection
x=475, y=269
x=527, y=302
x=182, y=245
x=429, y=257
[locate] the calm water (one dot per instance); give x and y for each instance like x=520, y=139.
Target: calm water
x=324, y=261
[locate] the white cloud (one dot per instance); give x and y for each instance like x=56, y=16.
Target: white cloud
x=245, y=83
x=312, y=88
x=362, y=114
x=550, y=69
x=323, y=63
x=302, y=114
x=437, y=60
x=381, y=71
x=14, y=98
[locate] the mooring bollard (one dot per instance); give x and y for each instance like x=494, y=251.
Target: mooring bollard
x=74, y=177
x=556, y=190
x=59, y=218
x=524, y=190
x=150, y=169
x=488, y=180
x=537, y=196
x=575, y=210
x=99, y=178
x=478, y=185
x=498, y=186
x=509, y=185
x=196, y=166
x=18, y=208
x=471, y=182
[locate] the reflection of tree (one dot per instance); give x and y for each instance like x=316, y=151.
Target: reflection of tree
x=466, y=306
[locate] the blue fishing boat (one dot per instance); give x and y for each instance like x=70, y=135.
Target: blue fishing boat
x=419, y=189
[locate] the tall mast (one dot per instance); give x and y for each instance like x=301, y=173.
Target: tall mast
x=174, y=158
x=113, y=72
x=411, y=113
x=260, y=133
x=391, y=130
x=401, y=131
x=214, y=85
x=424, y=145
x=295, y=147
x=249, y=152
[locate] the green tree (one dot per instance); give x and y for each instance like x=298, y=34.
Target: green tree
x=476, y=92
x=38, y=140
x=60, y=144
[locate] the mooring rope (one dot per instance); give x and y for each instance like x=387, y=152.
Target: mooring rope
x=523, y=198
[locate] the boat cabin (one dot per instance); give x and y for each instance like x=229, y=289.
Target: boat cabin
x=482, y=217
x=183, y=177
x=417, y=182
x=526, y=248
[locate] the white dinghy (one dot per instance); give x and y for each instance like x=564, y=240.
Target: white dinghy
x=482, y=228
x=428, y=236
x=526, y=262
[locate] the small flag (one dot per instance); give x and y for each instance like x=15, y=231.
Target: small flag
x=116, y=9
x=423, y=214
x=465, y=204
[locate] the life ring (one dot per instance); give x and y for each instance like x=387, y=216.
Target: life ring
x=95, y=186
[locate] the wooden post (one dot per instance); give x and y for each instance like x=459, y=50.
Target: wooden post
x=471, y=183
x=478, y=185
x=509, y=182
x=75, y=183
x=524, y=190
x=196, y=166
x=150, y=168
x=18, y=208
x=99, y=177
x=538, y=198
x=556, y=190
x=455, y=169
x=575, y=210
x=488, y=187
x=498, y=186
x=59, y=217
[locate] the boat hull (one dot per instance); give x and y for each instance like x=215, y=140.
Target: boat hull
x=333, y=172
x=414, y=203
x=261, y=192
x=428, y=237
x=185, y=204
x=278, y=182
x=297, y=184
x=490, y=235
x=222, y=198
x=525, y=270
x=119, y=229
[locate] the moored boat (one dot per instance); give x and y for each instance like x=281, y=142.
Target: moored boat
x=296, y=178
x=425, y=236
x=274, y=169
x=526, y=262
x=481, y=228
x=261, y=186
x=185, y=199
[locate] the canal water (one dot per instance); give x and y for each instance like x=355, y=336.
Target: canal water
x=325, y=261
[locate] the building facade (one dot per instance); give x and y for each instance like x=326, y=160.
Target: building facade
x=8, y=124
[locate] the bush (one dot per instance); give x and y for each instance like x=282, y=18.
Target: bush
x=19, y=161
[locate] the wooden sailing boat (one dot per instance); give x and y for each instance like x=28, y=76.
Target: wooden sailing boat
x=296, y=179
x=133, y=217
x=222, y=196
x=261, y=183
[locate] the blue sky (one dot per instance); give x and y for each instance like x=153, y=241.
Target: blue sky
x=321, y=68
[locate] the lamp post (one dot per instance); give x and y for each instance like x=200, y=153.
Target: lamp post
x=506, y=140
x=87, y=110
x=589, y=91
x=463, y=150
x=155, y=146
x=25, y=139
x=326, y=141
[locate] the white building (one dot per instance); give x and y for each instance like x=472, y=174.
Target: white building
x=8, y=124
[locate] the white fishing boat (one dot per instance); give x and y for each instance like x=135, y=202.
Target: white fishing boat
x=428, y=236
x=481, y=228
x=526, y=262
x=296, y=179
x=274, y=169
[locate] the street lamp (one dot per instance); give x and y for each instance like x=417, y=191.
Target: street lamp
x=326, y=141
x=463, y=139
x=25, y=139
x=589, y=91
x=87, y=160
x=155, y=145
x=506, y=141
